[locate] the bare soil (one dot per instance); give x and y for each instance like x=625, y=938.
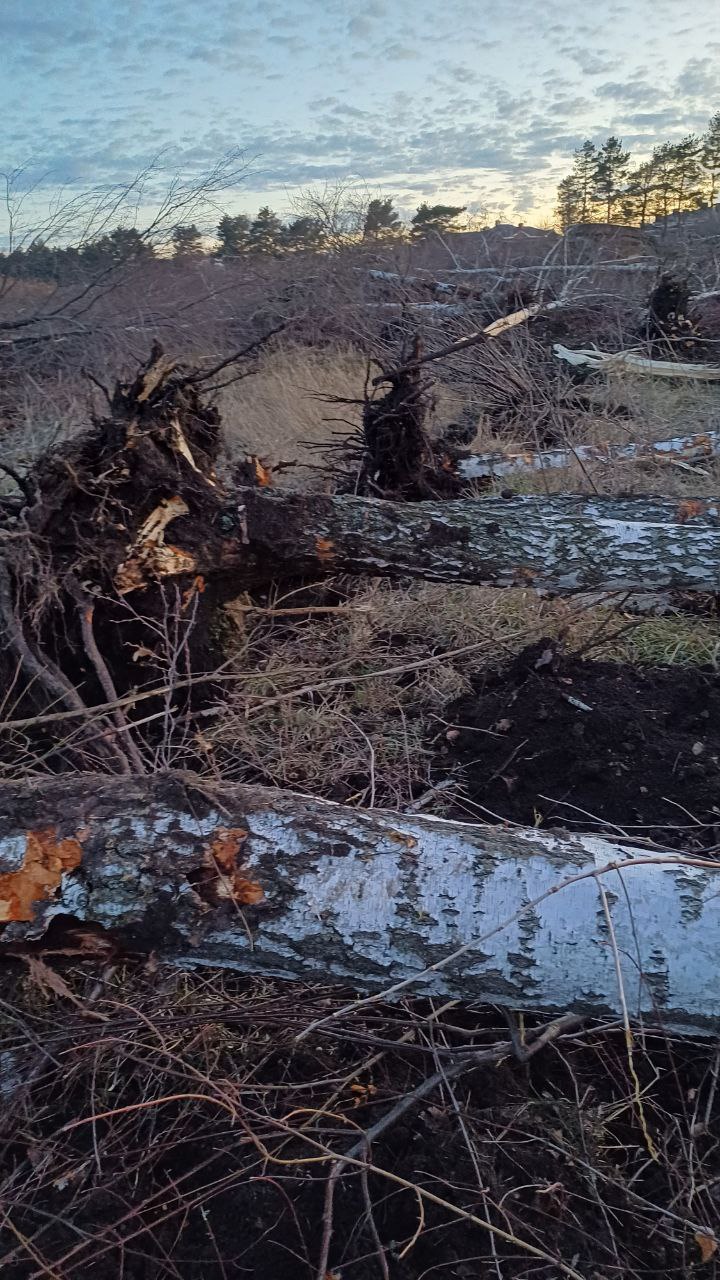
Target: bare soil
x=560, y=741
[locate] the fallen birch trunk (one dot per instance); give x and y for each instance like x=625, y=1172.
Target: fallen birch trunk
x=556, y=543
x=690, y=448
x=631, y=362
x=268, y=881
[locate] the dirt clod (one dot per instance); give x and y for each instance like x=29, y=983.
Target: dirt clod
x=562, y=741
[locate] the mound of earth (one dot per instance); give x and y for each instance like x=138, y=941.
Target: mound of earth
x=562, y=742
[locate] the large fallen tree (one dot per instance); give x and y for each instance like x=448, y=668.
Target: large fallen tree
x=120, y=548
x=561, y=543
x=270, y=881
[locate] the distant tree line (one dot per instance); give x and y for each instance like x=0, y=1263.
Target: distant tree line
x=326, y=226
x=605, y=186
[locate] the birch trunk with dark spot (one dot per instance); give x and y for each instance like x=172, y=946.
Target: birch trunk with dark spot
x=268, y=881
x=560, y=543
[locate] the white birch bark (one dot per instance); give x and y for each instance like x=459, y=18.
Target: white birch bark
x=690, y=448
x=269, y=881
x=556, y=543
x=631, y=362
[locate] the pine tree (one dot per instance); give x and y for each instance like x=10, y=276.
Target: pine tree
x=436, y=218
x=233, y=234
x=187, y=242
x=637, y=202
x=127, y=243
x=663, y=189
x=381, y=221
x=304, y=234
x=610, y=177
x=569, y=202
x=687, y=173
x=266, y=231
x=710, y=159
x=584, y=168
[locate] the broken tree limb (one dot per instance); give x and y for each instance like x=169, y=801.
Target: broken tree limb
x=268, y=881
x=632, y=362
x=557, y=543
x=692, y=448
x=472, y=339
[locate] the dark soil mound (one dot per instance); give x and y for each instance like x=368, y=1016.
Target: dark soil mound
x=592, y=745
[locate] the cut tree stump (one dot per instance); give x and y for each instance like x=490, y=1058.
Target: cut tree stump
x=557, y=543
x=268, y=881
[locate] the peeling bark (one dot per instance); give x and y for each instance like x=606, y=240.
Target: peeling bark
x=266, y=881
x=557, y=543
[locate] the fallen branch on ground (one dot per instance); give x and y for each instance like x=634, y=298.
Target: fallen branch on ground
x=472, y=339
x=631, y=362
x=691, y=448
x=269, y=881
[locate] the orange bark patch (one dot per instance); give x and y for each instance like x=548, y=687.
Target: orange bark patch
x=402, y=837
x=687, y=510
x=222, y=857
x=197, y=588
x=325, y=549
x=263, y=474
x=247, y=892
x=46, y=859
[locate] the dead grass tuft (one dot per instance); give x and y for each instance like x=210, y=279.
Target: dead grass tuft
x=277, y=409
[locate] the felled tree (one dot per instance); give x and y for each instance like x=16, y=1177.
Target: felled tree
x=123, y=544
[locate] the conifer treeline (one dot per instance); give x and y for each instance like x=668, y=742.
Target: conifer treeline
x=375, y=221
x=605, y=186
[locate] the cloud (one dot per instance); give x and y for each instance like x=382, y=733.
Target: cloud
x=626, y=94
x=470, y=99
x=359, y=28
x=590, y=62
x=699, y=78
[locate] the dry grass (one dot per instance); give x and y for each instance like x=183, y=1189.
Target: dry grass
x=281, y=406
x=335, y=704
x=655, y=411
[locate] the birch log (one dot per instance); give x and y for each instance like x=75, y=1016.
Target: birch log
x=558, y=543
x=692, y=448
x=632, y=362
x=268, y=881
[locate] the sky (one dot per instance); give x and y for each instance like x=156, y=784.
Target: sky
x=460, y=101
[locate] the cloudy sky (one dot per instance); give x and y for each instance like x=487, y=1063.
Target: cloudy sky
x=461, y=100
